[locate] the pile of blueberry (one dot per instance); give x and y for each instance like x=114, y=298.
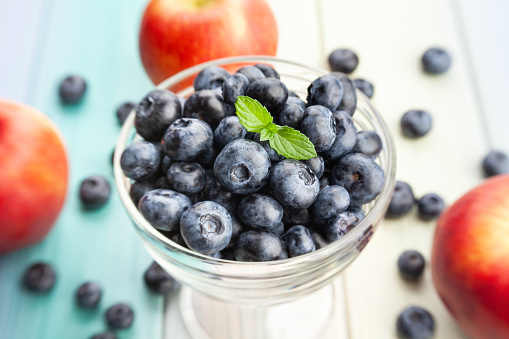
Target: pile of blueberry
x=204, y=181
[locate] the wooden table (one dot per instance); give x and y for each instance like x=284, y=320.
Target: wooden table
x=42, y=41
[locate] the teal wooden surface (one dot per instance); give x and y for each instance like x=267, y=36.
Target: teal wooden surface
x=98, y=40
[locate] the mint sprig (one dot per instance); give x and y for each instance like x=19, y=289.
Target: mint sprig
x=285, y=140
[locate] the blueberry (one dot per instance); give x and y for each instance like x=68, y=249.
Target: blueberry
x=158, y=281
x=349, y=101
x=346, y=136
x=252, y=73
x=331, y=201
x=155, y=113
x=402, y=200
x=187, y=138
x=39, y=277
x=343, y=60
x=360, y=176
x=206, y=227
x=319, y=126
x=94, y=191
x=271, y=93
x=315, y=164
x=216, y=193
x=72, y=89
x=416, y=123
x=415, y=323
x=338, y=226
x=242, y=167
x=298, y=241
x=324, y=182
x=273, y=155
x=296, y=101
x=234, y=86
x=368, y=143
x=291, y=115
x=278, y=230
x=260, y=211
x=293, y=217
x=297, y=186
x=124, y=110
x=140, y=160
x=88, y=295
x=177, y=238
x=436, y=61
x=228, y=254
x=139, y=189
x=165, y=164
x=119, y=316
x=430, y=206
x=207, y=158
x=162, y=182
x=229, y=129
x=268, y=71
x=365, y=87
x=411, y=265
x=238, y=227
x=259, y=246
x=163, y=208
x=357, y=210
x=496, y=162
x=319, y=240
x=326, y=91
x=104, y=335
x=292, y=94
x=208, y=106
x=210, y=78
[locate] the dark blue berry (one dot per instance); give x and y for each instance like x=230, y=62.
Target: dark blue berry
x=177, y=238
x=271, y=93
x=252, y=73
x=207, y=158
x=368, y=143
x=349, y=101
x=260, y=211
x=39, y=277
x=155, y=113
x=436, y=61
x=346, y=136
x=158, y=280
x=187, y=138
x=365, y=87
x=186, y=177
x=228, y=254
x=360, y=176
x=72, y=89
x=124, y=110
x=140, y=160
x=139, y=189
x=273, y=155
x=430, y=206
x=268, y=71
x=331, y=201
x=297, y=101
x=293, y=217
x=326, y=91
x=208, y=106
x=343, y=60
x=338, y=226
x=163, y=208
x=319, y=240
x=119, y=316
x=402, y=200
x=218, y=194
x=210, y=78
x=416, y=123
x=88, y=295
x=298, y=241
x=319, y=126
x=495, y=163
x=291, y=115
x=297, y=186
x=357, y=210
x=104, y=335
x=206, y=227
x=238, y=227
x=324, y=182
x=259, y=246
x=242, y=167
x=411, y=265
x=165, y=164
x=234, y=86
x=229, y=129
x=315, y=164
x=415, y=323
x=94, y=191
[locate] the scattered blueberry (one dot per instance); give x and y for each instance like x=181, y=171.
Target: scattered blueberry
x=259, y=246
x=94, y=191
x=158, y=280
x=187, y=138
x=210, y=78
x=411, y=265
x=119, y=316
x=296, y=101
x=39, y=277
x=343, y=60
x=365, y=87
x=139, y=189
x=402, y=200
x=298, y=241
x=368, y=143
x=234, y=86
x=260, y=211
x=229, y=129
x=291, y=115
x=140, y=160
x=271, y=93
x=415, y=323
x=338, y=226
x=346, y=136
x=268, y=71
x=349, y=101
x=88, y=295
x=208, y=106
x=319, y=126
x=72, y=89
x=104, y=335
x=331, y=201
x=430, y=206
x=124, y=110
x=416, y=123
x=496, y=162
x=186, y=177
x=315, y=164
x=326, y=91
x=252, y=73
x=436, y=61
x=163, y=208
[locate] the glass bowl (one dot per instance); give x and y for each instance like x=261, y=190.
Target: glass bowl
x=261, y=284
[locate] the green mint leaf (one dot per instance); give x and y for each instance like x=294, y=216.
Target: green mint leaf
x=268, y=132
x=252, y=115
x=292, y=144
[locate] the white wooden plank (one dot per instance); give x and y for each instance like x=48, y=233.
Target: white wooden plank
x=390, y=37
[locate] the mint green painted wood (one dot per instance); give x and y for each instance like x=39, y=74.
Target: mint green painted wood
x=98, y=40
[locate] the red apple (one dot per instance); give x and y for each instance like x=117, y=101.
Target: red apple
x=470, y=260
x=177, y=34
x=33, y=175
